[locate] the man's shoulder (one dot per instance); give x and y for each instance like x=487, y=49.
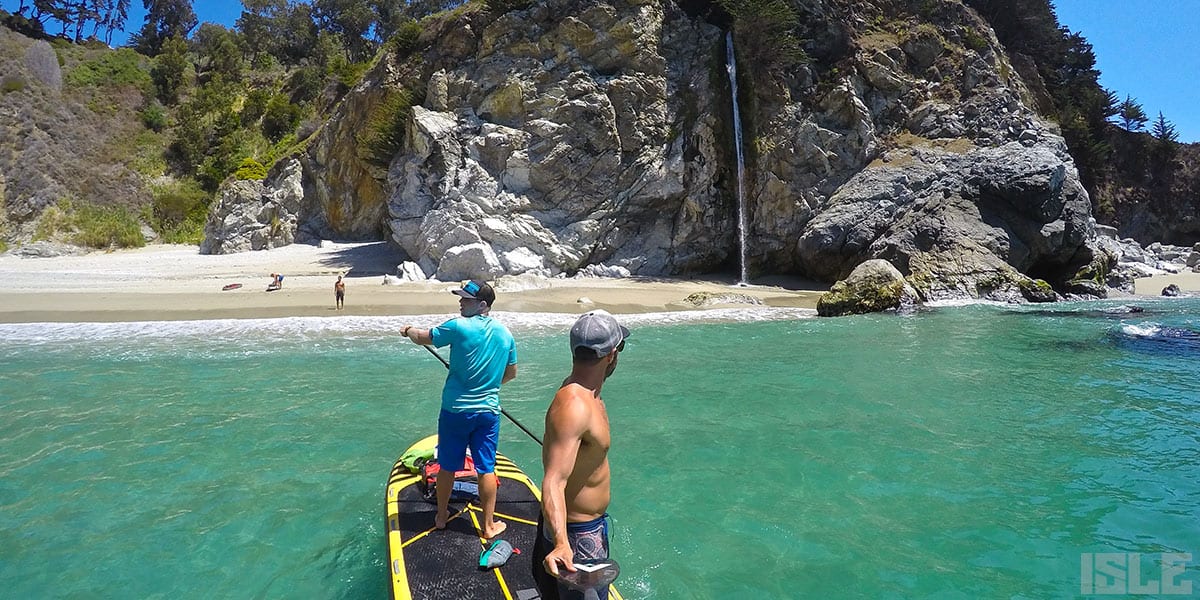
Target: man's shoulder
x=571, y=393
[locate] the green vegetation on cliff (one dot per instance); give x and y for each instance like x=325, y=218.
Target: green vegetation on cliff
x=765, y=33
x=91, y=226
x=184, y=107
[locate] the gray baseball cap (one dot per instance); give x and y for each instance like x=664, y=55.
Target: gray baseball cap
x=598, y=331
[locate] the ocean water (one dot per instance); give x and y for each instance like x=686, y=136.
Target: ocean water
x=958, y=452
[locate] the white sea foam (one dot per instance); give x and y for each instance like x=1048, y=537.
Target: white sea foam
x=299, y=328
x=1140, y=329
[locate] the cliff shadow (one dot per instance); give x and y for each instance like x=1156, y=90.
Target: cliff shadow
x=366, y=260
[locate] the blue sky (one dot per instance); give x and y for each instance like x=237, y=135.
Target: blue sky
x=1148, y=49
x=225, y=12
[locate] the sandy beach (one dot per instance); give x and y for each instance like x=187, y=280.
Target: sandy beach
x=176, y=282
x=1188, y=282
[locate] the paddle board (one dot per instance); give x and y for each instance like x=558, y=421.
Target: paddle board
x=424, y=562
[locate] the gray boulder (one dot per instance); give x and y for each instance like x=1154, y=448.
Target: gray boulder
x=44, y=249
x=954, y=221
x=256, y=215
x=42, y=64
x=873, y=286
x=410, y=271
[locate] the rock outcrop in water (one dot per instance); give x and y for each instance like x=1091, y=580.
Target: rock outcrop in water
x=577, y=133
x=873, y=286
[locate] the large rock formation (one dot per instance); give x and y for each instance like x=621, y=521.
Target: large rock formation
x=256, y=215
x=581, y=132
x=551, y=143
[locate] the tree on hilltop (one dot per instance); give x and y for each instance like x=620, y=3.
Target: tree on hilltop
x=217, y=52
x=170, y=70
x=1164, y=130
x=1133, y=118
x=73, y=16
x=1163, y=149
x=113, y=14
x=165, y=19
x=278, y=28
x=352, y=20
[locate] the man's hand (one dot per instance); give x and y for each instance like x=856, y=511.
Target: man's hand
x=560, y=555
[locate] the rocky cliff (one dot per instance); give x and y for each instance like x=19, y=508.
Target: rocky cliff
x=1150, y=193
x=582, y=132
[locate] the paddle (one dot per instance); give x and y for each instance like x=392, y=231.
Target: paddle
x=502, y=411
x=591, y=575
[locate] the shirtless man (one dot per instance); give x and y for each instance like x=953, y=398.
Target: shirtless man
x=576, y=486
x=339, y=293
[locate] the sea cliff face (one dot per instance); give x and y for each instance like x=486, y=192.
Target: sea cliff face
x=581, y=132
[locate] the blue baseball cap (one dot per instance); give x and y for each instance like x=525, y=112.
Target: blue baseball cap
x=476, y=290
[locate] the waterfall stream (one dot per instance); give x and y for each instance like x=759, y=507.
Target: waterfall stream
x=731, y=67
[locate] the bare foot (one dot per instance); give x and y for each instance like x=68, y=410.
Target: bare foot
x=496, y=529
x=439, y=521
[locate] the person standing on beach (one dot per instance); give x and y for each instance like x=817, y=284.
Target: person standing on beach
x=576, y=485
x=483, y=356
x=339, y=293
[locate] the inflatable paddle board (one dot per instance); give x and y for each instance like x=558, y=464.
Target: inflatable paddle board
x=424, y=562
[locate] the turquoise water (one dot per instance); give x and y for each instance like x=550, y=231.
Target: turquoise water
x=961, y=452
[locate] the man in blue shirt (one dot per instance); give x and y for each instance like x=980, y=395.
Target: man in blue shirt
x=483, y=356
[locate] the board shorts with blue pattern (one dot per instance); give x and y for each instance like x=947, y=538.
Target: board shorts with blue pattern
x=589, y=540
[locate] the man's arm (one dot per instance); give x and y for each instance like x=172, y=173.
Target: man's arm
x=566, y=421
x=510, y=372
x=417, y=335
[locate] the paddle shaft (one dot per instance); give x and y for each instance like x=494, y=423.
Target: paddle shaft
x=502, y=411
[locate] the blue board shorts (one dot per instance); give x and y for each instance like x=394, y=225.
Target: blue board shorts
x=457, y=431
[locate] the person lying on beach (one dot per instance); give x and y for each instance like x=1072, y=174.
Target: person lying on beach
x=276, y=282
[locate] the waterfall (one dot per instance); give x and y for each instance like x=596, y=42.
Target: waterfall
x=731, y=67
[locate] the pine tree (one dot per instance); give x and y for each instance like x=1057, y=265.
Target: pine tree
x=1133, y=118
x=1164, y=130
x=353, y=20
x=1162, y=151
x=216, y=49
x=170, y=69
